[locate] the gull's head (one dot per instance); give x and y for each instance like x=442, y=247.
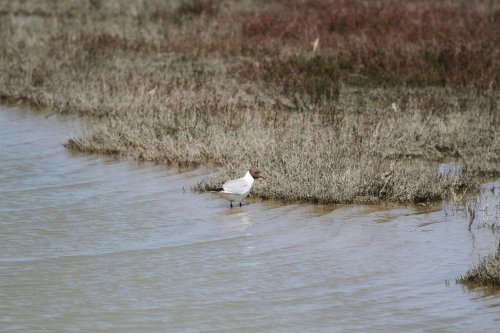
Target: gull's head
x=255, y=173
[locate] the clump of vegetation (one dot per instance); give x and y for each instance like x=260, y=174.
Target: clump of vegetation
x=485, y=273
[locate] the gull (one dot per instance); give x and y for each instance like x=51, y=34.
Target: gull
x=236, y=190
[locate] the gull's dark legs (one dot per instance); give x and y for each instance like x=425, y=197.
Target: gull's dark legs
x=231, y=203
x=240, y=203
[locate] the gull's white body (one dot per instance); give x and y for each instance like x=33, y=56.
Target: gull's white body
x=236, y=190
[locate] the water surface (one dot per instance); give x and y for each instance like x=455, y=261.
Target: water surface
x=95, y=244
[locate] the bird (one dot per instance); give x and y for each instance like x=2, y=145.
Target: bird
x=236, y=190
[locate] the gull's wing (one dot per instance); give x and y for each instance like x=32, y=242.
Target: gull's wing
x=236, y=186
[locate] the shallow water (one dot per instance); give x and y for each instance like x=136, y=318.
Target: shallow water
x=96, y=244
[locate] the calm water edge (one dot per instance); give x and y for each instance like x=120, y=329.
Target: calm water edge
x=95, y=244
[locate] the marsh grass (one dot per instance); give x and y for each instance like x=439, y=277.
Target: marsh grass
x=485, y=273
x=393, y=88
x=483, y=209
x=340, y=156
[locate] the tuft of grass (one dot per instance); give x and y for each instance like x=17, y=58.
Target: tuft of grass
x=485, y=273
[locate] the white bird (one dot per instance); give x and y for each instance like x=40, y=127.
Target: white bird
x=236, y=190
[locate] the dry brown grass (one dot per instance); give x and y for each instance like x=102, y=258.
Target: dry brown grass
x=394, y=88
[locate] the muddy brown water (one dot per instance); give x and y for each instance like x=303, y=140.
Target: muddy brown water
x=94, y=244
